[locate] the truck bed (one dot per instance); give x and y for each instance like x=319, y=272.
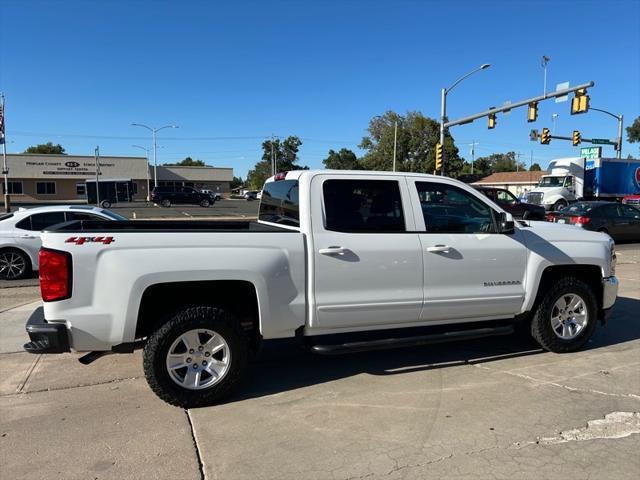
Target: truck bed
x=159, y=226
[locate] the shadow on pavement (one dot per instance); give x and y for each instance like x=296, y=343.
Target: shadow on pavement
x=288, y=368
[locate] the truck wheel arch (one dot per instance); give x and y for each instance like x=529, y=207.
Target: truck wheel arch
x=160, y=301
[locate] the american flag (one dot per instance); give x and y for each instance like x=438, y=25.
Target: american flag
x=1, y=120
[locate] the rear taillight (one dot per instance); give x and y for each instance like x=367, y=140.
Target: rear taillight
x=550, y=217
x=55, y=275
x=280, y=176
x=580, y=220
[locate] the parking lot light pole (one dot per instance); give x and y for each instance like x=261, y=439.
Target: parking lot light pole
x=146, y=154
x=620, y=119
x=154, y=131
x=443, y=107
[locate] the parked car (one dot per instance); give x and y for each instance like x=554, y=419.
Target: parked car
x=251, y=195
x=632, y=200
x=512, y=204
x=342, y=261
x=20, y=234
x=166, y=196
x=620, y=221
x=216, y=195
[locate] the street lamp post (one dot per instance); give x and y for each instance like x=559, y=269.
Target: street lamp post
x=620, y=119
x=443, y=107
x=146, y=154
x=154, y=132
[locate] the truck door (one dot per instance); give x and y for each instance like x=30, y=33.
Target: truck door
x=367, y=261
x=470, y=272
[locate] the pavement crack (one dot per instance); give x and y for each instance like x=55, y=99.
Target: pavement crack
x=30, y=370
x=560, y=385
x=19, y=389
x=203, y=474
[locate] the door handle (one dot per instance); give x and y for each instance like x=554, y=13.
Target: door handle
x=28, y=236
x=333, y=250
x=438, y=248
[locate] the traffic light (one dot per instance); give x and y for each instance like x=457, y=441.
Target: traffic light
x=580, y=103
x=532, y=114
x=492, y=121
x=576, y=138
x=545, y=138
x=438, y=156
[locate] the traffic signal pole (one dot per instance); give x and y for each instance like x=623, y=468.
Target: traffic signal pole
x=511, y=106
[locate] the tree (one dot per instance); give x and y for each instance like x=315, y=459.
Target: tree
x=237, y=182
x=416, y=141
x=345, y=159
x=286, y=157
x=47, y=149
x=187, y=162
x=535, y=168
x=499, y=162
x=633, y=132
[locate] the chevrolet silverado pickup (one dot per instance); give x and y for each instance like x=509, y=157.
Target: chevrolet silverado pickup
x=341, y=261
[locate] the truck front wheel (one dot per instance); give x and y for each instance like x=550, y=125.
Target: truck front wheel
x=559, y=205
x=566, y=317
x=197, y=358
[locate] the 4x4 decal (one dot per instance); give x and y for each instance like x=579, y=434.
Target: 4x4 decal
x=83, y=240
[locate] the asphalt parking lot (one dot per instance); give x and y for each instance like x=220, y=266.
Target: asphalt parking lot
x=493, y=408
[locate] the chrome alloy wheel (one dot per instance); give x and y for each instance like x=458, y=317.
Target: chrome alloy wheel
x=198, y=359
x=569, y=316
x=12, y=265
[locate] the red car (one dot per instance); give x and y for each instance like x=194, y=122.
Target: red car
x=632, y=199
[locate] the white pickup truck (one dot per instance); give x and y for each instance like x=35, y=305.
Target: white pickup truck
x=341, y=261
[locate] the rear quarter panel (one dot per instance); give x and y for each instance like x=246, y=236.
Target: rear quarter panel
x=109, y=280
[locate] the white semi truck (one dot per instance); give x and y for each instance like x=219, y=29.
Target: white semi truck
x=575, y=178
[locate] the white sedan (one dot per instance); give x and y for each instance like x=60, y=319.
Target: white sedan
x=20, y=234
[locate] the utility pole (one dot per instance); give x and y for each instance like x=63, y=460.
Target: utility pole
x=554, y=120
x=518, y=161
x=273, y=158
x=620, y=119
x=473, y=154
x=395, y=143
x=5, y=167
x=146, y=155
x=96, y=154
x=154, y=132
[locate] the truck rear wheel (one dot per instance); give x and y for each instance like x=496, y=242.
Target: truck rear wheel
x=197, y=358
x=565, y=319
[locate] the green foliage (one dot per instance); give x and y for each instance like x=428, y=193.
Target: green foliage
x=535, y=168
x=345, y=159
x=416, y=141
x=46, y=149
x=633, y=132
x=499, y=162
x=286, y=156
x=187, y=162
x=237, y=182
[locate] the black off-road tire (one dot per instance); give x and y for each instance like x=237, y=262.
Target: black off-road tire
x=205, y=203
x=158, y=344
x=541, y=328
x=165, y=203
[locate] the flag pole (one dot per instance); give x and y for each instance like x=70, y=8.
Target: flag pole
x=5, y=168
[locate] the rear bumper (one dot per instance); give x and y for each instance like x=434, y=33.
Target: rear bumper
x=46, y=337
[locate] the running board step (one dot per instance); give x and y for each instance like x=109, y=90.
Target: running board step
x=388, y=343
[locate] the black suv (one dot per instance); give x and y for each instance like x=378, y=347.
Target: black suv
x=165, y=196
x=511, y=204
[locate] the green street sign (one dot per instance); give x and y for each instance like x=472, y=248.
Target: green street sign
x=591, y=152
x=600, y=141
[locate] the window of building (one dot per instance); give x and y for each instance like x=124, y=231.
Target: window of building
x=449, y=209
x=15, y=188
x=81, y=189
x=46, y=188
x=360, y=206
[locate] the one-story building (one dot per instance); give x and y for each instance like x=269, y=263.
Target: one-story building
x=517, y=183
x=35, y=178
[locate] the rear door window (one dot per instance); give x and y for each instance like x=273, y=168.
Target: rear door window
x=40, y=221
x=280, y=203
x=358, y=206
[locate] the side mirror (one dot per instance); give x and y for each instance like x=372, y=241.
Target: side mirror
x=506, y=223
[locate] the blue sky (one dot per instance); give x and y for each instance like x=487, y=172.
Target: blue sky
x=229, y=73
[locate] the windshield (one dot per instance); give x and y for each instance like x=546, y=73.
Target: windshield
x=551, y=182
x=114, y=216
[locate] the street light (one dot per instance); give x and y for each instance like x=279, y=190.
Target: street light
x=154, y=131
x=443, y=106
x=620, y=119
x=146, y=154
